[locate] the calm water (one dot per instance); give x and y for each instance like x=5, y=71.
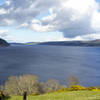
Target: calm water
x=47, y=62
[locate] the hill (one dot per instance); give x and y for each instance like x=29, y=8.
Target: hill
x=73, y=43
x=72, y=95
x=3, y=43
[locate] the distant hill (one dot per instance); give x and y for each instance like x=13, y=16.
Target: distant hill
x=17, y=44
x=3, y=43
x=73, y=43
x=32, y=43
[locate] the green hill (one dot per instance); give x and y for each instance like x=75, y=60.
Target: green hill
x=72, y=95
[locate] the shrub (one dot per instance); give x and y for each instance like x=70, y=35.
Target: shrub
x=76, y=88
x=0, y=94
x=96, y=89
x=63, y=90
x=91, y=88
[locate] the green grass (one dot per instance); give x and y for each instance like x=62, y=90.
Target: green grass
x=78, y=95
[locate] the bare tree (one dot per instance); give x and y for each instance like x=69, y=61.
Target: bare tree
x=11, y=86
x=2, y=88
x=52, y=85
x=28, y=83
x=72, y=80
x=18, y=85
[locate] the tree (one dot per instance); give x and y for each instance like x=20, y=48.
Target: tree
x=72, y=80
x=29, y=83
x=18, y=85
x=2, y=88
x=52, y=85
x=11, y=86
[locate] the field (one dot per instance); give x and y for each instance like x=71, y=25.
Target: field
x=75, y=95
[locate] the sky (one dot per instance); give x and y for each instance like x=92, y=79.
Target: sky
x=49, y=20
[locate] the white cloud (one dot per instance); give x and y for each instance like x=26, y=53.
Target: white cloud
x=5, y=34
x=8, y=2
x=75, y=18
x=96, y=21
x=72, y=17
x=24, y=25
x=90, y=36
x=2, y=11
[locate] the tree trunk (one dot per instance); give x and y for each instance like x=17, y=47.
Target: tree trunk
x=25, y=96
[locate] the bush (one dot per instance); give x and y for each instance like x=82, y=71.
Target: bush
x=93, y=89
x=96, y=89
x=63, y=90
x=0, y=94
x=76, y=88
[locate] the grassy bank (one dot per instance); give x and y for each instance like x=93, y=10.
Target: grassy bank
x=73, y=95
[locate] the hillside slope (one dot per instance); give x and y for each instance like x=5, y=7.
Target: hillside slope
x=74, y=95
x=3, y=43
x=73, y=43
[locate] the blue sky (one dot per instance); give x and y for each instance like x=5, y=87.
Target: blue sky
x=45, y=26
x=26, y=35
x=98, y=1
x=2, y=1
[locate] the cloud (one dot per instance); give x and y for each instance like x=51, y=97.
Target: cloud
x=5, y=34
x=89, y=37
x=22, y=11
x=2, y=11
x=85, y=37
x=74, y=18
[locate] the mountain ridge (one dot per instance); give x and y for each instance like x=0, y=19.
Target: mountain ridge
x=73, y=43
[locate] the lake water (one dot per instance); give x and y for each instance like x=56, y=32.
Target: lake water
x=47, y=62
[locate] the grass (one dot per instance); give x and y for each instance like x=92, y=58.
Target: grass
x=75, y=95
